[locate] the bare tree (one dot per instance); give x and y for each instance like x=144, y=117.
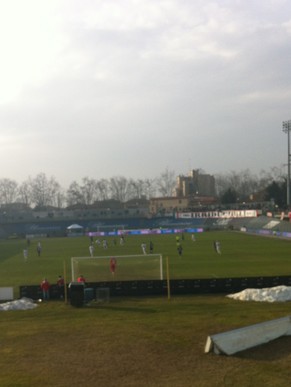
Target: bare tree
x=75, y=194
x=103, y=189
x=221, y=184
x=60, y=199
x=150, y=188
x=8, y=191
x=44, y=191
x=243, y=183
x=24, y=193
x=166, y=183
x=41, y=191
x=55, y=194
x=135, y=189
x=119, y=188
x=275, y=174
x=89, y=190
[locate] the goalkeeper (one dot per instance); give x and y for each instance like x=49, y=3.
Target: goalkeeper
x=112, y=265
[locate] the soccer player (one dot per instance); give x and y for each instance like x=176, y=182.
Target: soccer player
x=112, y=265
x=38, y=248
x=180, y=249
x=91, y=250
x=143, y=247
x=217, y=247
x=25, y=255
x=151, y=247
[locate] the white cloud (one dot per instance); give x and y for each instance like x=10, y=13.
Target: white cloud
x=29, y=42
x=119, y=79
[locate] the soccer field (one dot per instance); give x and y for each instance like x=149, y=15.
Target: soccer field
x=242, y=256
x=143, y=341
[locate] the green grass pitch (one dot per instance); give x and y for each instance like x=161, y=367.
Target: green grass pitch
x=242, y=256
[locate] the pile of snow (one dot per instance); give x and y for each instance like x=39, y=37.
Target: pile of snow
x=22, y=304
x=275, y=294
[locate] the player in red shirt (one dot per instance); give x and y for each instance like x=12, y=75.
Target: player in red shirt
x=112, y=265
x=45, y=287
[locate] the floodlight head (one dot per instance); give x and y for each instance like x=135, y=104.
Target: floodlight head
x=286, y=126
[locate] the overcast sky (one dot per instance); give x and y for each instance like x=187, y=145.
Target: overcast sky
x=92, y=88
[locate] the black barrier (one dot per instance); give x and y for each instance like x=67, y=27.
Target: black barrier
x=33, y=292
x=181, y=286
x=76, y=292
x=89, y=294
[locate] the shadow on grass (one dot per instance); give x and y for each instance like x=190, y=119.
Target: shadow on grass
x=122, y=309
x=116, y=308
x=274, y=350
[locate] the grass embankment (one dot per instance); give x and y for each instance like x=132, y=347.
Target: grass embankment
x=138, y=342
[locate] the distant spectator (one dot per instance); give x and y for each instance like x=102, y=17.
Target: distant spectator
x=45, y=287
x=81, y=279
x=61, y=286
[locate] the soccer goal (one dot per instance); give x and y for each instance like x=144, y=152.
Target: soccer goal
x=124, y=268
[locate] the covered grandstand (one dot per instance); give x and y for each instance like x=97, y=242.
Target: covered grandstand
x=59, y=228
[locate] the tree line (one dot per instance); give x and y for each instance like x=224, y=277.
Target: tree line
x=43, y=191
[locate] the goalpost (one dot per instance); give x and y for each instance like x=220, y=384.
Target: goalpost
x=127, y=268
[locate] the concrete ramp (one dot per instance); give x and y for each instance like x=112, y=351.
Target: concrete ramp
x=237, y=340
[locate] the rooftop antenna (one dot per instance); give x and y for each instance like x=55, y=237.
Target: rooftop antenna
x=190, y=165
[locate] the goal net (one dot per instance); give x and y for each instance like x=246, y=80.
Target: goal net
x=119, y=267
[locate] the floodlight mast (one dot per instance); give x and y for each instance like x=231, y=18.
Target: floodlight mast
x=286, y=129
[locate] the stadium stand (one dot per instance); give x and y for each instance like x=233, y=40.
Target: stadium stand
x=55, y=228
